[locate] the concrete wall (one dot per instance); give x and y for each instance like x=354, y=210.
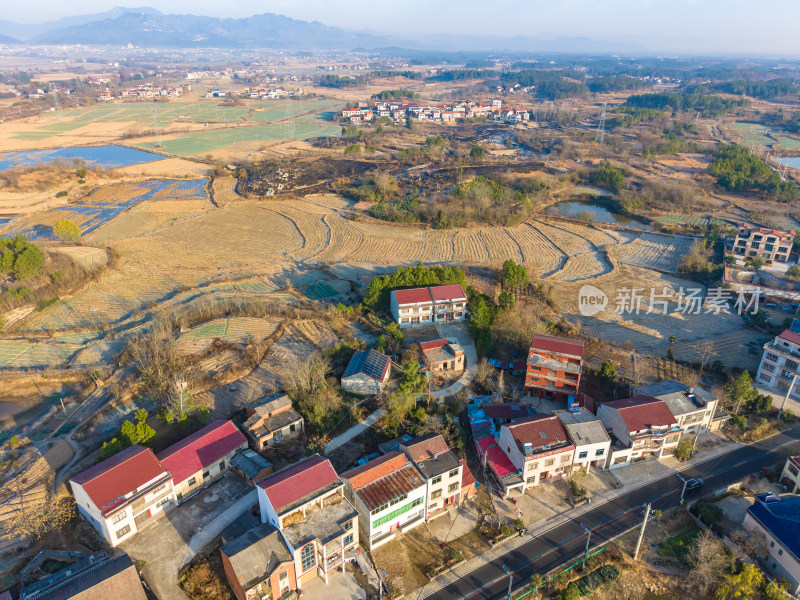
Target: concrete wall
x=591, y=455
x=183, y=489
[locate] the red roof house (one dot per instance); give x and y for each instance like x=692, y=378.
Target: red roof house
x=302, y=481
x=202, y=450
x=642, y=413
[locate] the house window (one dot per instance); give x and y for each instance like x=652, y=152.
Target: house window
x=307, y=557
x=162, y=502
x=453, y=473
x=673, y=438
x=793, y=470
x=284, y=576
x=192, y=481
x=565, y=458
x=436, y=480
x=550, y=462
x=600, y=452
x=772, y=544
x=452, y=487
x=771, y=356
x=347, y=526
x=348, y=539
x=205, y=475
x=780, y=552
x=436, y=494
x=118, y=517
x=124, y=531
x=583, y=454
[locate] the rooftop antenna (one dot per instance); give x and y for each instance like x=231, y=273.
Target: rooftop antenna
x=601, y=128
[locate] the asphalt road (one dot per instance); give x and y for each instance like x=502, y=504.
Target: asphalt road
x=567, y=542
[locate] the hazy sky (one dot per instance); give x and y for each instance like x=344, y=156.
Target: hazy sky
x=718, y=26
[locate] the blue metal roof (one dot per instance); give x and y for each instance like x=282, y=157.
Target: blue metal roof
x=781, y=517
x=369, y=362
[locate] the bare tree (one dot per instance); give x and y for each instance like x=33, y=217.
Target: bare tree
x=705, y=351
x=707, y=559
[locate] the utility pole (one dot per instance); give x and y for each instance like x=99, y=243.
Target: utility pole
x=683, y=491
x=601, y=128
x=510, y=580
x=588, y=539
x=641, y=533
x=786, y=397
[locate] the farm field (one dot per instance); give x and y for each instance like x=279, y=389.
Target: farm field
x=232, y=330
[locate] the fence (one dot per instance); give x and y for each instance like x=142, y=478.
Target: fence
x=566, y=570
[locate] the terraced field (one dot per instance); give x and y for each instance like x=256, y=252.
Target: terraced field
x=655, y=251
x=232, y=329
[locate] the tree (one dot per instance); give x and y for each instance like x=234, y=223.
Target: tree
x=683, y=451
x=477, y=153
x=609, y=372
x=707, y=558
x=740, y=586
x=741, y=390
x=514, y=276
x=180, y=403
x=537, y=581
x=140, y=432
x=64, y=229
x=793, y=272
x=776, y=590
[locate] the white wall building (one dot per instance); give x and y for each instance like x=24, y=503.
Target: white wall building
x=421, y=306
x=589, y=435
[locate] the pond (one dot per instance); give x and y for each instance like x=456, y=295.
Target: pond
x=102, y=156
x=594, y=212
x=791, y=161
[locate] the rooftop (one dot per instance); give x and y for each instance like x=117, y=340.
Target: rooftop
x=299, y=483
x=412, y=296
x=496, y=459
x=541, y=433
x=558, y=345
x=259, y=426
x=201, y=449
x=115, y=578
x=108, y=482
x=383, y=479
x=369, y=362
x=271, y=403
x=445, y=293
x=643, y=412
x=467, y=478
x=681, y=399
x=583, y=427
x=323, y=523
x=256, y=554
x=505, y=411
x=250, y=463
x=790, y=336
x=781, y=517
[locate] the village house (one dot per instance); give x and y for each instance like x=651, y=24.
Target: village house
x=258, y=564
x=437, y=304
x=306, y=502
x=366, y=373
x=441, y=470
x=642, y=426
x=554, y=368
x=442, y=356
x=124, y=493
x=272, y=421
x=503, y=413
x=768, y=244
x=198, y=460
x=389, y=493
x=98, y=576
x=592, y=442
x=778, y=520
x=250, y=466
x=493, y=459
x=791, y=474
x=781, y=362
x=693, y=407
x=538, y=447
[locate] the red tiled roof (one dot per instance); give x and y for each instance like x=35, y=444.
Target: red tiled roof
x=448, y=292
x=538, y=431
x=467, y=478
x=551, y=343
x=426, y=447
x=201, y=449
x=495, y=457
x=109, y=481
x=790, y=336
x=643, y=412
x=507, y=410
x=412, y=296
x=383, y=479
x=766, y=230
x=433, y=344
x=298, y=481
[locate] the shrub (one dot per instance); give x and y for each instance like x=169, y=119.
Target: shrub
x=61, y=194
x=683, y=450
x=64, y=229
x=739, y=421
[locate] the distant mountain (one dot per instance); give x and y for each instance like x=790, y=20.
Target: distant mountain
x=27, y=31
x=187, y=31
x=4, y=39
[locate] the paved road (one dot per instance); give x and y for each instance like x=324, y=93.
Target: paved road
x=357, y=429
x=566, y=542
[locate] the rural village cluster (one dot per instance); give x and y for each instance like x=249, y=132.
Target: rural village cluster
x=384, y=323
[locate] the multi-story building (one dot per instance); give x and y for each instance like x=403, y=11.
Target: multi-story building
x=389, y=493
x=642, y=426
x=124, y=493
x=693, y=407
x=442, y=356
x=781, y=362
x=769, y=244
x=441, y=469
x=258, y=564
x=791, y=474
x=778, y=520
x=201, y=458
x=538, y=447
x=272, y=421
x=306, y=503
x=429, y=305
x=554, y=368
x=589, y=435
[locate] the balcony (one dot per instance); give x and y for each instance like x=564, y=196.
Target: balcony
x=783, y=350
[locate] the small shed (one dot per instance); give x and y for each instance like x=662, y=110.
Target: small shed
x=366, y=373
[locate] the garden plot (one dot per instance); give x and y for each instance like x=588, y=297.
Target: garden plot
x=582, y=267
x=654, y=251
x=324, y=290
x=37, y=355
x=236, y=330
x=318, y=333
x=223, y=190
